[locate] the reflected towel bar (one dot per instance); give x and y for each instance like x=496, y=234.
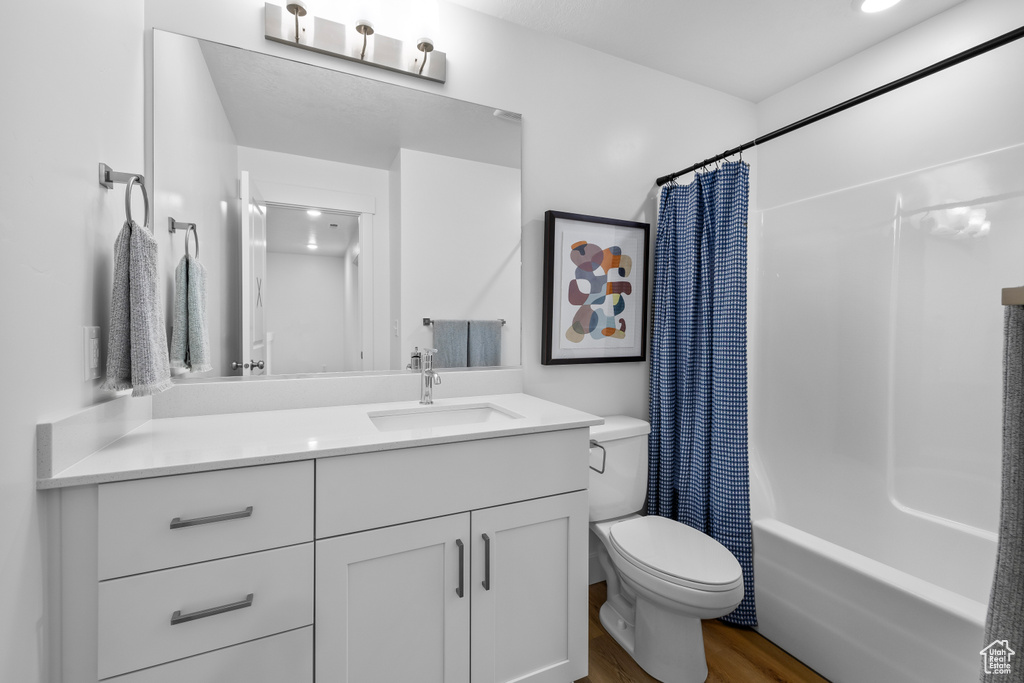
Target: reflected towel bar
x=429, y=321
x=173, y=226
x=1013, y=296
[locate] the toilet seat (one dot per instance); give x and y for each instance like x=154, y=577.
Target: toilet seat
x=676, y=553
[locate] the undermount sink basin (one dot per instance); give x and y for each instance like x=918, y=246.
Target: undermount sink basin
x=439, y=416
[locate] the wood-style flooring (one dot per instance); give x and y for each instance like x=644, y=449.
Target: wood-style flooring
x=735, y=655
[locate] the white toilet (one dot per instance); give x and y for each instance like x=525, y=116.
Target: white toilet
x=663, y=576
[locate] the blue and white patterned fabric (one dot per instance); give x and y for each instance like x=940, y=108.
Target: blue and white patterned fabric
x=698, y=442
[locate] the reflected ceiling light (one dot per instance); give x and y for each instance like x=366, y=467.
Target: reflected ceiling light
x=313, y=212
x=312, y=245
x=409, y=49
x=872, y=6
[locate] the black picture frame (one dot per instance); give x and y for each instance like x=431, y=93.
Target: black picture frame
x=579, y=332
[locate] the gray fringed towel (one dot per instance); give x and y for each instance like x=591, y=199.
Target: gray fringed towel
x=451, y=339
x=137, y=349
x=1004, y=627
x=190, y=336
x=484, y=343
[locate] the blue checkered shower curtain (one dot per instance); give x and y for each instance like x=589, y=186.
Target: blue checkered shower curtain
x=698, y=443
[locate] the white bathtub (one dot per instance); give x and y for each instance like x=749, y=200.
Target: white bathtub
x=854, y=619
x=875, y=418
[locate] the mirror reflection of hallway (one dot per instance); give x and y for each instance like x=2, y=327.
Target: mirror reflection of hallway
x=313, y=312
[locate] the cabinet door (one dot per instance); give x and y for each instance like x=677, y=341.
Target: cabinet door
x=388, y=605
x=530, y=591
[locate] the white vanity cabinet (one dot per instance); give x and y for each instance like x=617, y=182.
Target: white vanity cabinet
x=425, y=556
x=173, y=578
x=495, y=592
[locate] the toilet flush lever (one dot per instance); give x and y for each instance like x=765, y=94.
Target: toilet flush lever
x=604, y=456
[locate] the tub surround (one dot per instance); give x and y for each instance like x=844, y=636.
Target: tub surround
x=178, y=445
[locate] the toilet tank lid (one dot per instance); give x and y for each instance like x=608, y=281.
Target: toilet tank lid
x=620, y=427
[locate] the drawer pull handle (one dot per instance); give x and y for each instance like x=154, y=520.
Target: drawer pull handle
x=486, y=583
x=179, y=523
x=462, y=563
x=179, y=618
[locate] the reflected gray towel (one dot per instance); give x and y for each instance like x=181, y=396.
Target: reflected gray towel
x=484, y=343
x=451, y=339
x=190, y=337
x=137, y=348
x=1004, y=626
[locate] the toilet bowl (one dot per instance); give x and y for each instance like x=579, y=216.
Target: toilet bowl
x=663, y=576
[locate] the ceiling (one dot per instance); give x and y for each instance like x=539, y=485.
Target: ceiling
x=296, y=108
x=290, y=229
x=749, y=48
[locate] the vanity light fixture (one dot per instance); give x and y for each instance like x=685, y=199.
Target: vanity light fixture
x=299, y=9
x=364, y=27
x=872, y=6
x=426, y=46
x=413, y=56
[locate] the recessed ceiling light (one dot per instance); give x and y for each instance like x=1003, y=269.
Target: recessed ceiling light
x=313, y=212
x=872, y=6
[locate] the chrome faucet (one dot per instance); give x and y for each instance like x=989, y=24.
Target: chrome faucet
x=428, y=375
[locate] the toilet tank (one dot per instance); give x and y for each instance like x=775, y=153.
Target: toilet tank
x=622, y=488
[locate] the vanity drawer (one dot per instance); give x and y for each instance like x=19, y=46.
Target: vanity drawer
x=136, y=612
x=170, y=521
x=369, y=490
x=284, y=658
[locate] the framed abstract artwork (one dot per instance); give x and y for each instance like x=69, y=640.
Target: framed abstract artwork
x=595, y=289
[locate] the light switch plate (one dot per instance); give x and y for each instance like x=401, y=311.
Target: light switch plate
x=91, y=351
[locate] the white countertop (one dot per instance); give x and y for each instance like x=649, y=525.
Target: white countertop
x=162, y=447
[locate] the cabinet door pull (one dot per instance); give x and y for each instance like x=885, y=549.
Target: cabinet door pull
x=462, y=563
x=179, y=618
x=179, y=523
x=487, y=563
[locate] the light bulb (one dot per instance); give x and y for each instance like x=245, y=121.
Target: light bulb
x=872, y=6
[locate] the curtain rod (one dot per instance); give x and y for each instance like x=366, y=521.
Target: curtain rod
x=970, y=53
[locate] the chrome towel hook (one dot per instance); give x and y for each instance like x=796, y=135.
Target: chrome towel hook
x=107, y=179
x=173, y=226
x=128, y=200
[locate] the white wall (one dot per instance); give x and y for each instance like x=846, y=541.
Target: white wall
x=395, y=244
x=306, y=312
x=475, y=206
x=71, y=100
x=194, y=180
x=597, y=131
x=875, y=345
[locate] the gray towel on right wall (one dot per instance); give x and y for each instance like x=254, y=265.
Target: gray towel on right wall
x=1004, y=627
x=451, y=339
x=484, y=343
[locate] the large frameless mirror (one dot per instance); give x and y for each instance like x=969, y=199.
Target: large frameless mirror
x=336, y=213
